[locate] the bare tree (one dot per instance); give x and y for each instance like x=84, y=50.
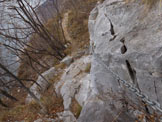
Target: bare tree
x=22, y=23
x=25, y=13
x=22, y=85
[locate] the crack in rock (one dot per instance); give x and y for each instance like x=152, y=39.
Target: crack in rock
x=112, y=31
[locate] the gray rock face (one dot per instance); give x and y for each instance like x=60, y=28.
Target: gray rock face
x=98, y=110
x=67, y=60
x=43, y=84
x=128, y=40
x=66, y=116
x=74, y=84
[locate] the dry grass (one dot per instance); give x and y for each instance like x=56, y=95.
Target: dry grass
x=76, y=108
x=20, y=112
x=60, y=66
x=88, y=68
x=52, y=103
x=78, y=24
x=148, y=3
x=32, y=111
x=43, y=53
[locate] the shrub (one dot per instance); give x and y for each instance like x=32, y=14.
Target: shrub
x=21, y=112
x=88, y=68
x=76, y=108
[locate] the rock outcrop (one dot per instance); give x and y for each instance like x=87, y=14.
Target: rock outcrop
x=74, y=86
x=126, y=39
x=67, y=60
x=41, y=84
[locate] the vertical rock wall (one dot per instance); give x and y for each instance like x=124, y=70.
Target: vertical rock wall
x=126, y=38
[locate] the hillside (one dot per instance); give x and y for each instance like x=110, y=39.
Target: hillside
x=109, y=71
x=74, y=23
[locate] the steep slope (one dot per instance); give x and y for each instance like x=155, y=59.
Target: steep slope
x=76, y=24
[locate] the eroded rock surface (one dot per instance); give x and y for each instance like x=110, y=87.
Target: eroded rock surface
x=42, y=84
x=66, y=116
x=67, y=60
x=128, y=40
x=75, y=84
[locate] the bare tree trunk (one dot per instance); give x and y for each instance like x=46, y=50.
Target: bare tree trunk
x=23, y=86
x=55, y=3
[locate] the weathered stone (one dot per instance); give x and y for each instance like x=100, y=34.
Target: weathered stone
x=67, y=116
x=128, y=41
x=84, y=90
x=43, y=84
x=67, y=60
x=98, y=110
x=74, y=83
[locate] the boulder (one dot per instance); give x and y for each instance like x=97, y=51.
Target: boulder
x=42, y=84
x=66, y=116
x=126, y=43
x=97, y=110
x=67, y=60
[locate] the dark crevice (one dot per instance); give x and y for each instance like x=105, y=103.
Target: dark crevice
x=111, y=28
x=112, y=31
x=146, y=108
x=131, y=71
x=112, y=38
x=103, y=34
x=122, y=40
x=132, y=74
x=156, y=91
x=123, y=49
x=119, y=83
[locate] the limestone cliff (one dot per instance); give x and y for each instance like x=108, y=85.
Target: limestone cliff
x=126, y=39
